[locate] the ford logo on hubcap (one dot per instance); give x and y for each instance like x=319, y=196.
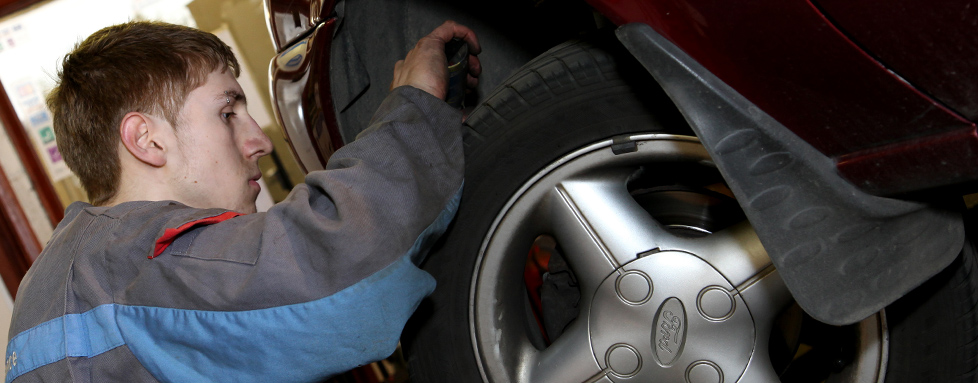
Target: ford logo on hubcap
x=669, y=334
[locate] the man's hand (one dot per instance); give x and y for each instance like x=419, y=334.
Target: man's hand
x=425, y=66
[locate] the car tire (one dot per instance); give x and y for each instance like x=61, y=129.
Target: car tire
x=584, y=92
x=576, y=93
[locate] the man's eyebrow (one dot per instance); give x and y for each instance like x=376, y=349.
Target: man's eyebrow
x=233, y=94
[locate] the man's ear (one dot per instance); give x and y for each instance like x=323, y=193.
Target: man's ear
x=140, y=135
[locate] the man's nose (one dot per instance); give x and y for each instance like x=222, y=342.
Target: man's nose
x=258, y=144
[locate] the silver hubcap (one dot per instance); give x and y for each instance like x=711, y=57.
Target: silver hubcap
x=660, y=317
x=655, y=305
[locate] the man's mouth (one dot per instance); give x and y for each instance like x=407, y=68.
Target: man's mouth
x=254, y=181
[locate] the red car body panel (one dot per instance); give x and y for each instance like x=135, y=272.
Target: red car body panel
x=930, y=161
x=933, y=45
x=792, y=62
x=299, y=27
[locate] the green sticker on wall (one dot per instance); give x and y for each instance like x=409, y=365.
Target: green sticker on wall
x=47, y=134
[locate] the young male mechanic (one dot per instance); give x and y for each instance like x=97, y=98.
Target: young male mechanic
x=170, y=275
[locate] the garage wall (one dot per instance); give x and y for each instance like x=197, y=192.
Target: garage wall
x=36, y=216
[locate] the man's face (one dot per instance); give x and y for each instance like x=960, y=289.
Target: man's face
x=218, y=146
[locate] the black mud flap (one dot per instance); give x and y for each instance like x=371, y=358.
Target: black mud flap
x=843, y=253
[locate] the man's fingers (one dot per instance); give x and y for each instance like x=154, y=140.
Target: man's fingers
x=451, y=30
x=464, y=33
x=475, y=66
x=424, y=66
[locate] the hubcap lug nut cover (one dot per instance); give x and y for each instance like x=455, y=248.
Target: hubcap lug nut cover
x=715, y=303
x=634, y=287
x=704, y=372
x=623, y=360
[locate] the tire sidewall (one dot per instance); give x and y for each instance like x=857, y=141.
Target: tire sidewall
x=501, y=155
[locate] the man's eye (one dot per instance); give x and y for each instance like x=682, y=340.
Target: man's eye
x=227, y=115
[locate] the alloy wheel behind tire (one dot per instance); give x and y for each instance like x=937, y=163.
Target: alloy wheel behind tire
x=576, y=93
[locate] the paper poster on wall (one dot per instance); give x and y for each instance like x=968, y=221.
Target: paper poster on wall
x=12, y=36
x=28, y=99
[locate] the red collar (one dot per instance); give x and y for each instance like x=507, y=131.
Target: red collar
x=171, y=234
